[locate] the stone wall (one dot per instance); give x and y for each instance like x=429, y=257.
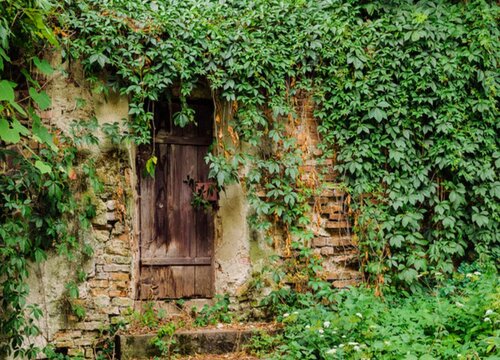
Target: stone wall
x=109, y=290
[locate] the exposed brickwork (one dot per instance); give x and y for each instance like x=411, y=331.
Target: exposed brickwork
x=331, y=226
x=106, y=293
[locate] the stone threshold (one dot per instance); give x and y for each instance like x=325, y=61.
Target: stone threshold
x=188, y=342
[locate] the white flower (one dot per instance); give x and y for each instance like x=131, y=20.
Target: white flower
x=356, y=348
x=286, y=315
x=331, y=351
x=487, y=319
x=321, y=331
x=469, y=275
x=359, y=315
x=477, y=273
x=308, y=326
x=488, y=312
x=326, y=324
x=343, y=336
x=460, y=305
x=295, y=313
x=341, y=345
x=352, y=343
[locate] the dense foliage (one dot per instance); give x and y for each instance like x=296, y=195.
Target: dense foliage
x=37, y=177
x=448, y=322
x=406, y=96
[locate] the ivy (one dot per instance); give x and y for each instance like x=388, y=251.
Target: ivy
x=406, y=95
x=39, y=214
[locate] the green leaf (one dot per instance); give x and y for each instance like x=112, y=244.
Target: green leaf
x=7, y=134
x=20, y=128
x=43, y=66
x=377, y=114
x=7, y=91
x=480, y=219
x=396, y=241
x=101, y=59
x=41, y=133
x=40, y=255
x=151, y=165
x=448, y=222
x=43, y=167
x=41, y=99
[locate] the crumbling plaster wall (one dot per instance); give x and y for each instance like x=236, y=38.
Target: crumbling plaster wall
x=109, y=289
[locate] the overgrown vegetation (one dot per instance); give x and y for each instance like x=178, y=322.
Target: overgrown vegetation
x=40, y=171
x=449, y=321
x=406, y=99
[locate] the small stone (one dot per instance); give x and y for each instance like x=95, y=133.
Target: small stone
x=116, y=268
x=327, y=250
x=119, y=277
x=89, y=353
x=111, y=205
x=112, y=310
x=123, y=302
x=102, y=301
x=319, y=242
x=110, y=216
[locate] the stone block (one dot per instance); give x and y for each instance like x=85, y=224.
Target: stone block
x=89, y=325
x=102, y=301
x=89, y=353
x=338, y=217
x=118, y=247
x=111, y=205
x=119, y=284
x=345, y=283
x=117, y=293
x=339, y=241
x=319, y=241
x=121, y=260
x=99, y=292
x=112, y=310
x=95, y=283
x=116, y=268
x=110, y=216
x=332, y=208
x=119, y=276
x=75, y=352
x=337, y=225
x=205, y=341
x=327, y=250
x=101, y=276
x=123, y=302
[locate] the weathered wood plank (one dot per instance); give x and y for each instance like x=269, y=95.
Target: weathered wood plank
x=177, y=261
x=163, y=138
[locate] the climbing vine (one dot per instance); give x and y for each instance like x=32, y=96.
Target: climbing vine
x=40, y=170
x=406, y=97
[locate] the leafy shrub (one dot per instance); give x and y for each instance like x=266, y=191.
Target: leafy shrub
x=217, y=313
x=458, y=319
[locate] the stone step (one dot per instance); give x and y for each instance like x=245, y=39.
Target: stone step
x=189, y=342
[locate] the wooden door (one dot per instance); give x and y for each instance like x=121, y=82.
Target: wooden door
x=176, y=242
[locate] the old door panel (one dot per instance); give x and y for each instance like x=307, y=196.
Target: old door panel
x=176, y=243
